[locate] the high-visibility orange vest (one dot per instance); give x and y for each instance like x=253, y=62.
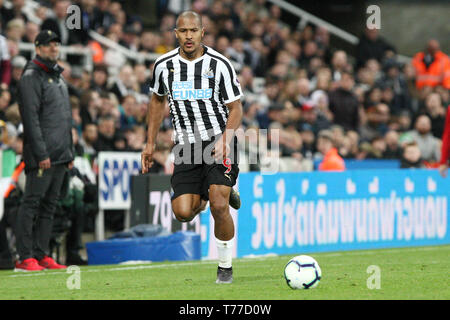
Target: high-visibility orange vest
x=14, y=179
x=97, y=52
x=437, y=73
x=332, y=161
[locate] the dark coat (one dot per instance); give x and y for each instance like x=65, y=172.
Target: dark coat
x=368, y=49
x=344, y=106
x=46, y=114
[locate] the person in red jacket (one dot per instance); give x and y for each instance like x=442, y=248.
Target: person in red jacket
x=445, y=149
x=332, y=161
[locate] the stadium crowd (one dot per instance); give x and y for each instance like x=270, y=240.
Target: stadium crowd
x=374, y=106
x=366, y=103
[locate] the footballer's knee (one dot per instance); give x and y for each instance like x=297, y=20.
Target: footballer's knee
x=184, y=215
x=219, y=206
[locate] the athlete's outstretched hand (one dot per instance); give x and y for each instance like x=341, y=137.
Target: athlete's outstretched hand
x=147, y=157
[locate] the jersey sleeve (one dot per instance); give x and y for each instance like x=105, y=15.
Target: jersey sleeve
x=230, y=88
x=157, y=84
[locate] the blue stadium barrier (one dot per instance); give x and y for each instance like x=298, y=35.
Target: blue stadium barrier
x=181, y=245
x=292, y=213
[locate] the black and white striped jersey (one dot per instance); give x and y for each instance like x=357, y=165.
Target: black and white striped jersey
x=198, y=92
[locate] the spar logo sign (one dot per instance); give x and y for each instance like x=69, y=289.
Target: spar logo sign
x=115, y=171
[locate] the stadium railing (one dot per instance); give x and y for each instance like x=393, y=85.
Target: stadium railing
x=307, y=17
x=86, y=53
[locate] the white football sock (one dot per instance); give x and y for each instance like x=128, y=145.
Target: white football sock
x=225, y=252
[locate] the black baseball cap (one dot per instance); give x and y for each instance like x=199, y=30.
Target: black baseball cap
x=45, y=37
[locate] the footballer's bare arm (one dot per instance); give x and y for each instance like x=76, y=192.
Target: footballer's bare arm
x=155, y=116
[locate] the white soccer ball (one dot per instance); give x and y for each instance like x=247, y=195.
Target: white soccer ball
x=302, y=272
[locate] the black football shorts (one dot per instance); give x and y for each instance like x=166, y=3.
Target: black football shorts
x=194, y=173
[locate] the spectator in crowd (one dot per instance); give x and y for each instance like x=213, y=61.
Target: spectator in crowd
x=377, y=148
x=393, y=149
x=373, y=46
x=102, y=17
x=99, y=80
x=88, y=140
x=90, y=104
x=76, y=117
x=246, y=80
x=4, y=138
x=304, y=89
x=432, y=67
x=15, y=29
x=167, y=42
x=135, y=138
x=344, y=104
x=402, y=122
x=428, y=144
x=130, y=38
x=13, y=122
x=79, y=150
x=332, y=161
x=125, y=83
x=255, y=57
x=308, y=141
x=349, y=148
x=250, y=110
x=18, y=64
x=143, y=78
x=237, y=53
x=436, y=112
x=31, y=31
x=377, y=122
x=74, y=81
x=412, y=157
x=339, y=64
x=5, y=98
x=396, y=82
x=109, y=106
x=310, y=114
x=5, y=63
x=149, y=42
x=127, y=112
x=106, y=134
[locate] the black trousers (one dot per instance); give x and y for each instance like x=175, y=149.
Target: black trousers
x=5, y=255
x=35, y=217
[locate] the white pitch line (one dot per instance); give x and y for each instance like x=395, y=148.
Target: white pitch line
x=268, y=257
x=180, y=264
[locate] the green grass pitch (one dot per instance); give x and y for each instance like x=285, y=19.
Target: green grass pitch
x=405, y=273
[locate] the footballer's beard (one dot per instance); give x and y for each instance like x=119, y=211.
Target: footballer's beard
x=191, y=50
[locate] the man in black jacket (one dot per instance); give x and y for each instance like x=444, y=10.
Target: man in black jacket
x=48, y=151
x=344, y=103
x=373, y=46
